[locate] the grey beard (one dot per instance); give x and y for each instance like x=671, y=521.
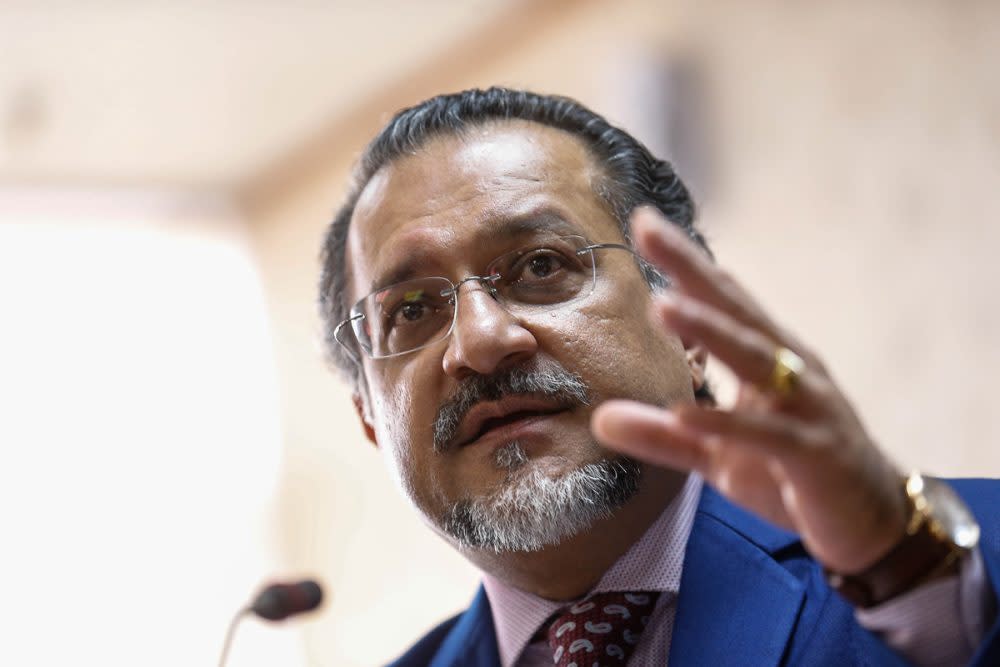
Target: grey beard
x=510, y=457
x=533, y=510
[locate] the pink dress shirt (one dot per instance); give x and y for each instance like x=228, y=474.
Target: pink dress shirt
x=937, y=624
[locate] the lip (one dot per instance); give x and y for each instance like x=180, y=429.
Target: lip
x=536, y=410
x=517, y=430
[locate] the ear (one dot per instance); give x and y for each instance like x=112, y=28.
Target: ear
x=359, y=406
x=697, y=359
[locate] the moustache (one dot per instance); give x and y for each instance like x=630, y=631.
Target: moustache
x=549, y=381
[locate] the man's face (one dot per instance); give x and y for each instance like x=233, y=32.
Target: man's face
x=448, y=210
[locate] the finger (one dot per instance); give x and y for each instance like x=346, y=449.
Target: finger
x=655, y=436
x=648, y=433
x=748, y=353
x=667, y=247
x=773, y=434
x=745, y=350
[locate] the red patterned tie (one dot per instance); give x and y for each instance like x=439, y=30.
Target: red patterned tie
x=601, y=630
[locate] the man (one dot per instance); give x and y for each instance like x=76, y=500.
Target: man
x=527, y=334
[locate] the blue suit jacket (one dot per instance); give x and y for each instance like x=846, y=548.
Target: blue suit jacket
x=750, y=596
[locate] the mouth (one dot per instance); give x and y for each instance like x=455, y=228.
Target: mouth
x=504, y=420
x=512, y=419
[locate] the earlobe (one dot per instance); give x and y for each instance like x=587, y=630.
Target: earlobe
x=697, y=359
x=359, y=407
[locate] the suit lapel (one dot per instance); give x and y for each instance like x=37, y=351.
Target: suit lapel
x=472, y=642
x=737, y=605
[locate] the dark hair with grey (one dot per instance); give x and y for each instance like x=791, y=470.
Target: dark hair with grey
x=632, y=176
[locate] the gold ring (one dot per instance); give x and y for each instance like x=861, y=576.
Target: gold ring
x=788, y=369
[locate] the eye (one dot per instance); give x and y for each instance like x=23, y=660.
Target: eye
x=412, y=304
x=411, y=311
x=538, y=266
x=542, y=265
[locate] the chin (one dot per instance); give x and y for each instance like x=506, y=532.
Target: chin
x=541, y=501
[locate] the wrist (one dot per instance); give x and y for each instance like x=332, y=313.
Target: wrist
x=939, y=531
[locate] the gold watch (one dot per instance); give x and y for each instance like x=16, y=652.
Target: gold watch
x=939, y=531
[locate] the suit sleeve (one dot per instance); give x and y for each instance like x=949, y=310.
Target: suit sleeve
x=940, y=623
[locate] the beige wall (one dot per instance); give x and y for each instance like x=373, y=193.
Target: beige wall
x=855, y=155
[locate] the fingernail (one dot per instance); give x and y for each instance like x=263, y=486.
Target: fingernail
x=667, y=303
x=648, y=219
x=665, y=316
x=647, y=211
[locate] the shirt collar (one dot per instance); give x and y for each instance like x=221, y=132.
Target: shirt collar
x=651, y=564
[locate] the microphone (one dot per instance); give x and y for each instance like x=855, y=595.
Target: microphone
x=279, y=601
x=276, y=603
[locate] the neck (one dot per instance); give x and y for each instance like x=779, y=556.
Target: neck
x=568, y=570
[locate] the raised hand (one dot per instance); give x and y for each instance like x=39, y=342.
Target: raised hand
x=791, y=449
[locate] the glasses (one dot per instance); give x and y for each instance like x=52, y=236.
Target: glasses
x=413, y=314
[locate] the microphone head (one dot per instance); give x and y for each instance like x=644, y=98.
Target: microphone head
x=279, y=601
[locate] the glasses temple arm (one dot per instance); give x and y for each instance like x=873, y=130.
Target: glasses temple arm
x=336, y=337
x=621, y=246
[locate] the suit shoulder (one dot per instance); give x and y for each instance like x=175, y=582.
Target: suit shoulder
x=427, y=646
x=976, y=489
x=466, y=639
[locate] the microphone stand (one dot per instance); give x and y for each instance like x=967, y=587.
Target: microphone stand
x=230, y=633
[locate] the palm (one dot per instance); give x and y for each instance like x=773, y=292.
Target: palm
x=752, y=481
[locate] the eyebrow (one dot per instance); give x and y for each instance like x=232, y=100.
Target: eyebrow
x=542, y=220
x=489, y=231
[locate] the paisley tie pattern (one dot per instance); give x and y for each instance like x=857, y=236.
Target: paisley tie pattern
x=600, y=631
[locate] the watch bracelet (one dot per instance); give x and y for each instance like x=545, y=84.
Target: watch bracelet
x=902, y=568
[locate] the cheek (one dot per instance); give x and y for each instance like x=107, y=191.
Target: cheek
x=403, y=422
x=622, y=354
x=392, y=412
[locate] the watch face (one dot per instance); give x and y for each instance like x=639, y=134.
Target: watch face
x=951, y=513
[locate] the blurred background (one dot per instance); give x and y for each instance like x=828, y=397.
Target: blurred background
x=169, y=435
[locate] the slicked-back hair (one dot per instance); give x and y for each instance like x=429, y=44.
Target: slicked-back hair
x=630, y=176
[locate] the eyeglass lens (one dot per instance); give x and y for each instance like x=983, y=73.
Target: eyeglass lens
x=415, y=313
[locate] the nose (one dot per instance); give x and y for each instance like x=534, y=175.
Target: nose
x=486, y=336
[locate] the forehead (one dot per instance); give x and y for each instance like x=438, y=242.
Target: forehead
x=459, y=194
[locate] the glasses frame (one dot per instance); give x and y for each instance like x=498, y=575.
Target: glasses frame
x=486, y=281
